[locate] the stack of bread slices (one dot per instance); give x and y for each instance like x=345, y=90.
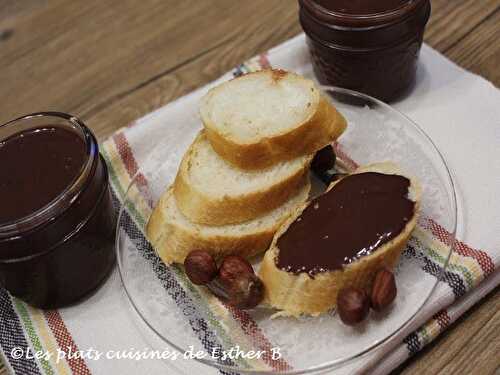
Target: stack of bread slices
x=247, y=171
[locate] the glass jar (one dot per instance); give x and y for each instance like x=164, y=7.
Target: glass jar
x=374, y=52
x=59, y=253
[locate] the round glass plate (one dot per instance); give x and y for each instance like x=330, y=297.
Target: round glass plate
x=191, y=320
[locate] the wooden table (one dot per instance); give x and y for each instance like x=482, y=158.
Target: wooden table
x=112, y=61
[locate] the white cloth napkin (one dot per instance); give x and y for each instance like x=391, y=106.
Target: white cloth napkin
x=460, y=111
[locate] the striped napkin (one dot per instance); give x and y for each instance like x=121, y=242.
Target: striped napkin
x=457, y=109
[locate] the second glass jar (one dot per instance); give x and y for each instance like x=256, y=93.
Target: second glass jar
x=375, y=53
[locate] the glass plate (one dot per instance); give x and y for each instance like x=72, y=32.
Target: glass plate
x=190, y=320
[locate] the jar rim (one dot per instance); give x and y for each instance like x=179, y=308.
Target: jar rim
x=361, y=20
x=70, y=194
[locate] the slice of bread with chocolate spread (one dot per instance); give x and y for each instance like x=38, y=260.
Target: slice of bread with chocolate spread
x=340, y=239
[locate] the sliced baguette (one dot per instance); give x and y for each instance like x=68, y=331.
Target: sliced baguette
x=265, y=117
x=297, y=294
x=173, y=236
x=208, y=190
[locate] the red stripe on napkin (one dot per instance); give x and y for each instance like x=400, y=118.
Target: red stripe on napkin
x=484, y=260
x=128, y=158
x=351, y=164
x=443, y=319
x=264, y=61
x=251, y=329
x=66, y=343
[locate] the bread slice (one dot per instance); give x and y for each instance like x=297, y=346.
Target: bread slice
x=173, y=236
x=265, y=117
x=208, y=190
x=297, y=294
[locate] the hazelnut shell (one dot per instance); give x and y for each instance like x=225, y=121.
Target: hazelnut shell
x=384, y=290
x=200, y=267
x=353, y=305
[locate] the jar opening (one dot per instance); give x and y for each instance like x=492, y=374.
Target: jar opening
x=71, y=173
x=361, y=7
x=361, y=13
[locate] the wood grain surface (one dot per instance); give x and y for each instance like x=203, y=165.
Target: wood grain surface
x=112, y=61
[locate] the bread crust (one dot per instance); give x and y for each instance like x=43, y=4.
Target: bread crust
x=323, y=126
x=298, y=294
x=204, y=208
x=173, y=241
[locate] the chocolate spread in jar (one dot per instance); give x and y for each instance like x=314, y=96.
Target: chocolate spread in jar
x=37, y=166
x=358, y=215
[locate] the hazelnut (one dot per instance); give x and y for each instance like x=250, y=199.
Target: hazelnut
x=233, y=265
x=200, y=267
x=353, y=305
x=323, y=160
x=323, y=165
x=383, y=290
x=237, y=283
x=244, y=292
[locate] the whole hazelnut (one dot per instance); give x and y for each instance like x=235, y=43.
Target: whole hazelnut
x=323, y=165
x=384, y=289
x=353, y=305
x=244, y=292
x=200, y=267
x=233, y=265
x=237, y=283
x=323, y=160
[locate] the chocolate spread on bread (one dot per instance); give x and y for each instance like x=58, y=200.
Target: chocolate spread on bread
x=358, y=215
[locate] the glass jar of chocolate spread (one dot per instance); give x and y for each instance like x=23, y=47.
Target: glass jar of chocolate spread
x=370, y=46
x=57, y=220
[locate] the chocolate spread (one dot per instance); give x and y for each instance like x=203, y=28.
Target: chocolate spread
x=358, y=215
x=37, y=166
